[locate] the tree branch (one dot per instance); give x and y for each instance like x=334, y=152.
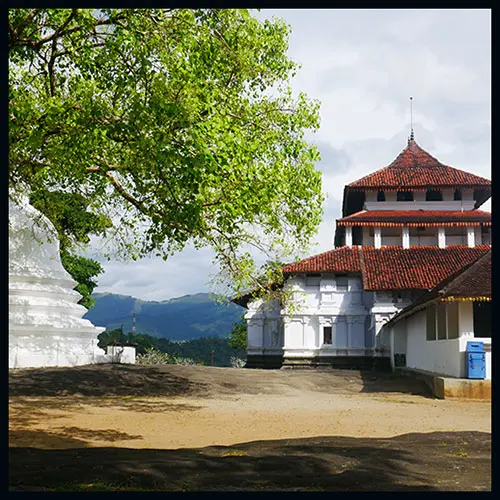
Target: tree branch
x=121, y=190
x=50, y=68
x=16, y=32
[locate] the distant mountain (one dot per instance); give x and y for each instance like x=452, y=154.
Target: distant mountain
x=182, y=318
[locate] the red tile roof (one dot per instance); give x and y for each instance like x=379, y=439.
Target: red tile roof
x=415, y=168
x=344, y=259
x=395, y=268
x=416, y=217
x=389, y=268
x=392, y=268
x=473, y=282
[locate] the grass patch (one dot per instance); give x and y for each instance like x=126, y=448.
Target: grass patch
x=235, y=453
x=460, y=453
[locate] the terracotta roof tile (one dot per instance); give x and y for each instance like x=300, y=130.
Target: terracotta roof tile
x=392, y=268
x=395, y=268
x=415, y=168
x=343, y=259
x=471, y=281
x=416, y=217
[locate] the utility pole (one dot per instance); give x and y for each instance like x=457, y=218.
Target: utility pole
x=133, y=323
x=212, y=357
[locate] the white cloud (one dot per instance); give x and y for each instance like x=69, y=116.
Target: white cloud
x=363, y=65
x=154, y=279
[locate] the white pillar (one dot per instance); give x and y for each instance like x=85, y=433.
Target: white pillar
x=470, y=236
x=441, y=237
x=377, y=237
x=348, y=236
x=465, y=319
x=406, y=237
x=349, y=331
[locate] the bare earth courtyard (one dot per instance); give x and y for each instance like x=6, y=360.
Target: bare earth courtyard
x=196, y=428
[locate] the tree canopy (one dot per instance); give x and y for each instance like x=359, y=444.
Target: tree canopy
x=74, y=225
x=237, y=338
x=176, y=126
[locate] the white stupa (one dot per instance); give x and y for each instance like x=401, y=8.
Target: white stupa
x=45, y=321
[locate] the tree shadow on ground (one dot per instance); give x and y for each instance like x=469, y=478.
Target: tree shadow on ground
x=66, y=437
x=41, y=393
x=27, y=411
x=107, y=380
x=412, y=462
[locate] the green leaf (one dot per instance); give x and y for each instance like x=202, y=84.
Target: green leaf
x=166, y=118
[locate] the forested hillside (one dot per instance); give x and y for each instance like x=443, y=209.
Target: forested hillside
x=182, y=318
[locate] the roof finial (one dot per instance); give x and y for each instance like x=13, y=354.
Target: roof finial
x=412, y=136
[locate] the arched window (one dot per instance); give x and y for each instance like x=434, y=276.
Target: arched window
x=434, y=195
x=457, y=195
x=380, y=196
x=404, y=196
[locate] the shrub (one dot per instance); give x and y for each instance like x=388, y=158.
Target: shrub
x=237, y=362
x=184, y=361
x=153, y=356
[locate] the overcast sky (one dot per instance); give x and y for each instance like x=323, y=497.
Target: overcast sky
x=363, y=65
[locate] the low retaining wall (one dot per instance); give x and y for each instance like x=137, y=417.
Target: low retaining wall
x=121, y=354
x=448, y=387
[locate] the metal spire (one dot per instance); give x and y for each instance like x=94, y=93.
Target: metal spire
x=412, y=136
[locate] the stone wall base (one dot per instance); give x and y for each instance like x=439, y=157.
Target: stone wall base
x=339, y=362
x=449, y=387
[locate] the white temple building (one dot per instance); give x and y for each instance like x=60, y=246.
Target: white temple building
x=404, y=229
x=45, y=320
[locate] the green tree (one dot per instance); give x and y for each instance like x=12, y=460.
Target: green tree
x=73, y=223
x=110, y=337
x=84, y=271
x=237, y=338
x=177, y=125
x=140, y=341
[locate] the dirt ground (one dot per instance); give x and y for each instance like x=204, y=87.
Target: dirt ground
x=196, y=428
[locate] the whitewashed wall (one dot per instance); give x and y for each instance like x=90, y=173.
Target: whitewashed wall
x=298, y=330
x=264, y=327
x=391, y=236
x=37, y=350
x=392, y=204
x=438, y=356
x=382, y=310
x=356, y=317
x=400, y=337
x=320, y=302
x=452, y=240
x=446, y=357
x=420, y=241
x=121, y=354
x=428, y=237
